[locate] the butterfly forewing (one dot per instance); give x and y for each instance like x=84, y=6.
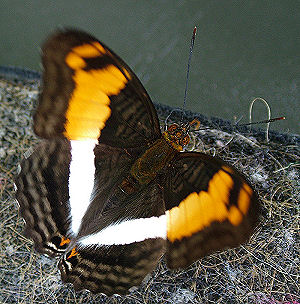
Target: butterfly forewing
x=211, y=207
x=88, y=90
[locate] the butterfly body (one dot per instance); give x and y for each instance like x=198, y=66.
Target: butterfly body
x=106, y=190
x=155, y=158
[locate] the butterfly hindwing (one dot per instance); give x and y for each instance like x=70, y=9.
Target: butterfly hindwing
x=42, y=193
x=114, y=268
x=111, y=269
x=112, y=166
x=211, y=207
x=87, y=89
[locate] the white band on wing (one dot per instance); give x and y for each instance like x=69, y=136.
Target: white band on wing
x=81, y=179
x=129, y=231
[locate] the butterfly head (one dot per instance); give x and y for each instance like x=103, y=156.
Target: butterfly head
x=177, y=136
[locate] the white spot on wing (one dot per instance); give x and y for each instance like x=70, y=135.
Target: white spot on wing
x=129, y=231
x=81, y=180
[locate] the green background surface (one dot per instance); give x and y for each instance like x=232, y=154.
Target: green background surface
x=243, y=49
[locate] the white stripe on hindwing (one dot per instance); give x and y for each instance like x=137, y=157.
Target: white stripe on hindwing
x=129, y=231
x=81, y=179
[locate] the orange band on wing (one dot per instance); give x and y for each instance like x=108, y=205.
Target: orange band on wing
x=88, y=108
x=91, y=50
x=199, y=210
x=243, y=199
x=64, y=241
x=73, y=253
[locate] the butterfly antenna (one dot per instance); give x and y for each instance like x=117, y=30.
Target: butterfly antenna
x=188, y=71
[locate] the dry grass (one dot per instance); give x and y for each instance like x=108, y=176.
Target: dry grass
x=263, y=271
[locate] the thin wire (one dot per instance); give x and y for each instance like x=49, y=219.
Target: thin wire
x=263, y=121
x=188, y=72
x=269, y=114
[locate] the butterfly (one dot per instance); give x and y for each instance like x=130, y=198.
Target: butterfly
x=106, y=190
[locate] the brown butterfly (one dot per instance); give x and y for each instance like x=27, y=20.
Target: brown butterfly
x=107, y=190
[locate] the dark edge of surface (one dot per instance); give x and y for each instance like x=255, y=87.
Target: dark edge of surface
x=23, y=74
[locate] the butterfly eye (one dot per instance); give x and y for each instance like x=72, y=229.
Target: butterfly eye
x=185, y=140
x=172, y=128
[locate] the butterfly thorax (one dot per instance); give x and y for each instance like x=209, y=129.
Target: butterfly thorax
x=159, y=154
